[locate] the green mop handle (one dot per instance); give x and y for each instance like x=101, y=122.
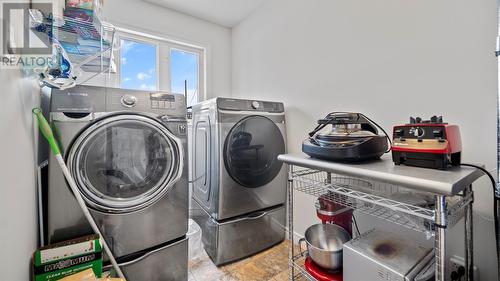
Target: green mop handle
x=46, y=130
x=47, y=133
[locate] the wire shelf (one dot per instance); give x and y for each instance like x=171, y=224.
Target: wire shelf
x=297, y=263
x=389, y=202
x=400, y=205
x=87, y=41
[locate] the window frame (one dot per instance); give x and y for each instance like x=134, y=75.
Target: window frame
x=201, y=93
x=137, y=39
x=163, y=50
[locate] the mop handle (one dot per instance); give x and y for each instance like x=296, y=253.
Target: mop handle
x=47, y=133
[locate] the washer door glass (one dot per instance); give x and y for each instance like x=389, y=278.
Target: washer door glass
x=125, y=162
x=251, y=151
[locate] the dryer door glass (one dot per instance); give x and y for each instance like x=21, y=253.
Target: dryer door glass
x=251, y=151
x=124, y=163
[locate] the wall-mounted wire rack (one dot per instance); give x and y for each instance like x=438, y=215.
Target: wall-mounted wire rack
x=87, y=41
x=424, y=200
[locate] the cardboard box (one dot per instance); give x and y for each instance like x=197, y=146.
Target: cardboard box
x=59, y=260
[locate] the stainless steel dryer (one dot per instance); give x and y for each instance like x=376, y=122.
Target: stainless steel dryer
x=237, y=178
x=126, y=150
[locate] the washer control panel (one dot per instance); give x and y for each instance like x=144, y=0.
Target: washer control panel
x=162, y=101
x=145, y=101
x=85, y=99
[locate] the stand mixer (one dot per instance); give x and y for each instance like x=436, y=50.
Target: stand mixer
x=329, y=213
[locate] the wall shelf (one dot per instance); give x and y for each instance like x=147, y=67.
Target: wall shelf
x=87, y=41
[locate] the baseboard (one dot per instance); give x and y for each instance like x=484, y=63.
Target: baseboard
x=296, y=236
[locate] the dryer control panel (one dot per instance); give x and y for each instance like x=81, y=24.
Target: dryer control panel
x=249, y=105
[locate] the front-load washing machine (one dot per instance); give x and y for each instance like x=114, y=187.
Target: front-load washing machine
x=238, y=182
x=126, y=150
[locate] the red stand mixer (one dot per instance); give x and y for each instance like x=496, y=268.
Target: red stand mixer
x=333, y=213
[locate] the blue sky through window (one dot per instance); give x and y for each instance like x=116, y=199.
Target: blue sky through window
x=184, y=66
x=138, y=65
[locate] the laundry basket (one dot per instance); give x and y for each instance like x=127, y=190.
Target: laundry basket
x=194, y=236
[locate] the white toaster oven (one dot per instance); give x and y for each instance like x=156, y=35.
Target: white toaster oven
x=379, y=255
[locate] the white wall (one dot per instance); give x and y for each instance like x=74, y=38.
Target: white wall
x=155, y=20
x=389, y=59
x=18, y=231
x=18, y=205
x=18, y=215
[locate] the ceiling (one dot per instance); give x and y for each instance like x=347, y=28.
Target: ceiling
x=223, y=12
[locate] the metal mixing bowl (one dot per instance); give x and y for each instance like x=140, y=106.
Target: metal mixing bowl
x=325, y=243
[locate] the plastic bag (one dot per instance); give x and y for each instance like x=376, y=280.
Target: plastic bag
x=195, y=244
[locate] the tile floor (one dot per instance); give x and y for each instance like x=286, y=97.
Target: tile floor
x=270, y=265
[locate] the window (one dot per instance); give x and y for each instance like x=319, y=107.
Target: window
x=138, y=65
x=152, y=63
x=184, y=74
